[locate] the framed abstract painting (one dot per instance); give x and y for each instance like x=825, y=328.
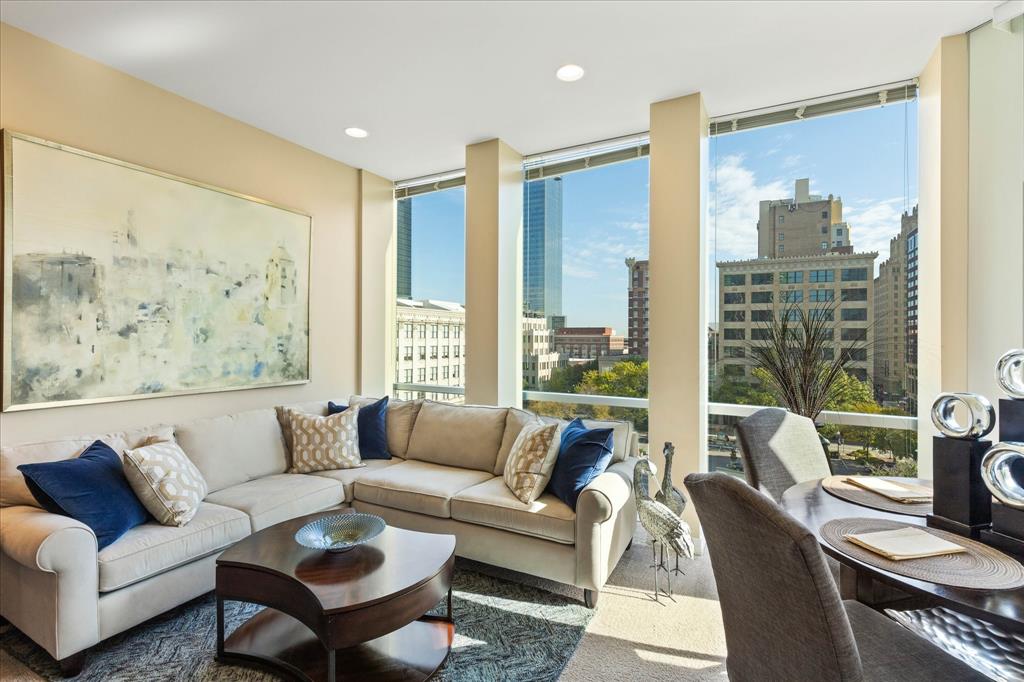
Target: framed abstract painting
x=121, y=282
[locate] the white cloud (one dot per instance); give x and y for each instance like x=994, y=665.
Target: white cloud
x=873, y=224
x=734, y=206
x=792, y=160
x=570, y=269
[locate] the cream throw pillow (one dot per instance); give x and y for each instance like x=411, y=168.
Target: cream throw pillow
x=531, y=461
x=166, y=481
x=325, y=443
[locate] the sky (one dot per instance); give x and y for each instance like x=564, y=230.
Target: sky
x=858, y=156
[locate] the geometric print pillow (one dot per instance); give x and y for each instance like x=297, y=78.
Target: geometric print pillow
x=531, y=461
x=325, y=443
x=166, y=481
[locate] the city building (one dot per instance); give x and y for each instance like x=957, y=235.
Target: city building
x=403, y=219
x=892, y=321
x=804, y=225
x=588, y=343
x=753, y=292
x=912, y=239
x=542, y=247
x=539, y=355
x=430, y=347
x=639, y=306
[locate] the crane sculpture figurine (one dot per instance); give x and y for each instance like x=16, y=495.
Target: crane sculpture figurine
x=661, y=524
x=671, y=496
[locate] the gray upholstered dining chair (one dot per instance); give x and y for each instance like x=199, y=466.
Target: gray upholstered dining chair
x=780, y=449
x=784, y=619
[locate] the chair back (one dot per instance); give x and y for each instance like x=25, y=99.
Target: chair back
x=780, y=449
x=783, y=616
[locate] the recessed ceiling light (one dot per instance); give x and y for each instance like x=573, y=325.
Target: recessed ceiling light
x=356, y=132
x=569, y=73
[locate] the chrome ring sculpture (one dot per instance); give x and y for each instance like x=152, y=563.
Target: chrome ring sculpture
x=1010, y=373
x=996, y=471
x=982, y=415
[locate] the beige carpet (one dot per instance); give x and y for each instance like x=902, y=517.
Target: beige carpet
x=631, y=637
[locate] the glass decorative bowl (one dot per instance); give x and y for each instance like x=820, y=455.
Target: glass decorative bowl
x=340, y=533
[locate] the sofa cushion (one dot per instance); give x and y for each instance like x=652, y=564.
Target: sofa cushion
x=401, y=415
x=153, y=548
x=466, y=436
x=13, y=490
x=348, y=477
x=234, y=448
x=324, y=443
x=622, y=434
x=277, y=498
x=166, y=481
x=583, y=455
x=529, y=465
x=420, y=487
x=514, y=423
x=281, y=497
x=492, y=504
x=317, y=407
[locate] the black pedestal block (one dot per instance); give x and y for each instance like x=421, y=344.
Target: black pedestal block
x=1011, y=420
x=961, y=502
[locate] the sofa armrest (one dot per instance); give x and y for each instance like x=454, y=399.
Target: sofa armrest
x=607, y=493
x=42, y=541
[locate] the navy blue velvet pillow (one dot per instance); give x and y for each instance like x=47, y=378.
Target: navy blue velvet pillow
x=373, y=430
x=90, y=488
x=583, y=455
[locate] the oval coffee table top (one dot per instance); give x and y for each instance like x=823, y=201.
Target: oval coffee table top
x=394, y=562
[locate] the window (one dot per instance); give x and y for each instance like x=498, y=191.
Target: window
x=735, y=298
x=761, y=315
x=760, y=334
x=791, y=315
x=822, y=276
x=762, y=278
x=824, y=229
x=822, y=295
x=793, y=296
x=824, y=214
x=445, y=372
x=855, y=274
x=782, y=219
x=855, y=295
x=782, y=248
x=735, y=315
x=735, y=352
x=431, y=257
x=855, y=334
x=734, y=334
x=824, y=246
x=445, y=350
x=796, y=277
x=761, y=297
x=734, y=370
x=735, y=280
x=839, y=232
x=857, y=354
x=455, y=350
x=855, y=314
x=820, y=314
x=781, y=235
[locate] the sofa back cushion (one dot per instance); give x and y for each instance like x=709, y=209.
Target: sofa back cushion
x=13, y=490
x=466, y=436
x=401, y=415
x=234, y=448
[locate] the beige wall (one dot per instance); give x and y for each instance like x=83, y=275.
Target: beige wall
x=678, y=347
x=50, y=92
x=942, y=226
x=996, y=241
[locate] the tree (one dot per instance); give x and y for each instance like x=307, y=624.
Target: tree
x=742, y=393
x=565, y=379
x=627, y=379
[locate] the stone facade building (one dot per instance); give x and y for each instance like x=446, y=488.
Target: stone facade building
x=639, y=306
x=895, y=335
x=430, y=347
x=804, y=225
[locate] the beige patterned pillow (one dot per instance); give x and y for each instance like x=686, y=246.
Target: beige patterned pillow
x=531, y=461
x=166, y=481
x=324, y=443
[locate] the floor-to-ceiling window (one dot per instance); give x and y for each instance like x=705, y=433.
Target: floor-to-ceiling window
x=585, y=277
x=814, y=234
x=430, y=315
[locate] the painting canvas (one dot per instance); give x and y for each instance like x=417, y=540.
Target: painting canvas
x=122, y=282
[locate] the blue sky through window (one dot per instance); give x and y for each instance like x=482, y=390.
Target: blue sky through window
x=858, y=156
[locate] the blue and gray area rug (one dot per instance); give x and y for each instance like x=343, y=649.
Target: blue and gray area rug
x=504, y=631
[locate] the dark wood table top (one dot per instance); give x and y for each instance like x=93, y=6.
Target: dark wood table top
x=348, y=580
x=813, y=506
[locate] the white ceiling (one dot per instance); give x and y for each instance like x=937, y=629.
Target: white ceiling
x=427, y=78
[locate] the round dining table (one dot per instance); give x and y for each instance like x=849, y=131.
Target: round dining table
x=813, y=506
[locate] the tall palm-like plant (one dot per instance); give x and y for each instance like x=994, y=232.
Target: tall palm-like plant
x=797, y=360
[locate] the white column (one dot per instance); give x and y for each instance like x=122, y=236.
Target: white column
x=494, y=215
x=678, y=325
x=377, y=284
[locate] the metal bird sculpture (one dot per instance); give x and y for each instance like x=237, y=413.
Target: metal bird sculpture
x=660, y=523
x=669, y=495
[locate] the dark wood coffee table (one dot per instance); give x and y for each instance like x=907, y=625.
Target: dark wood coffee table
x=356, y=615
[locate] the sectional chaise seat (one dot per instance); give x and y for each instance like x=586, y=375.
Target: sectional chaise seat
x=444, y=477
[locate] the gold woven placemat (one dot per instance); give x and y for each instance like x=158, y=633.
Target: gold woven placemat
x=837, y=485
x=981, y=567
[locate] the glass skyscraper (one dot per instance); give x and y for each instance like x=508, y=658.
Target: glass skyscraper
x=542, y=247
x=404, y=210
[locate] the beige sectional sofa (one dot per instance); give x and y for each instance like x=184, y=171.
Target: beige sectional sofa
x=445, y=477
